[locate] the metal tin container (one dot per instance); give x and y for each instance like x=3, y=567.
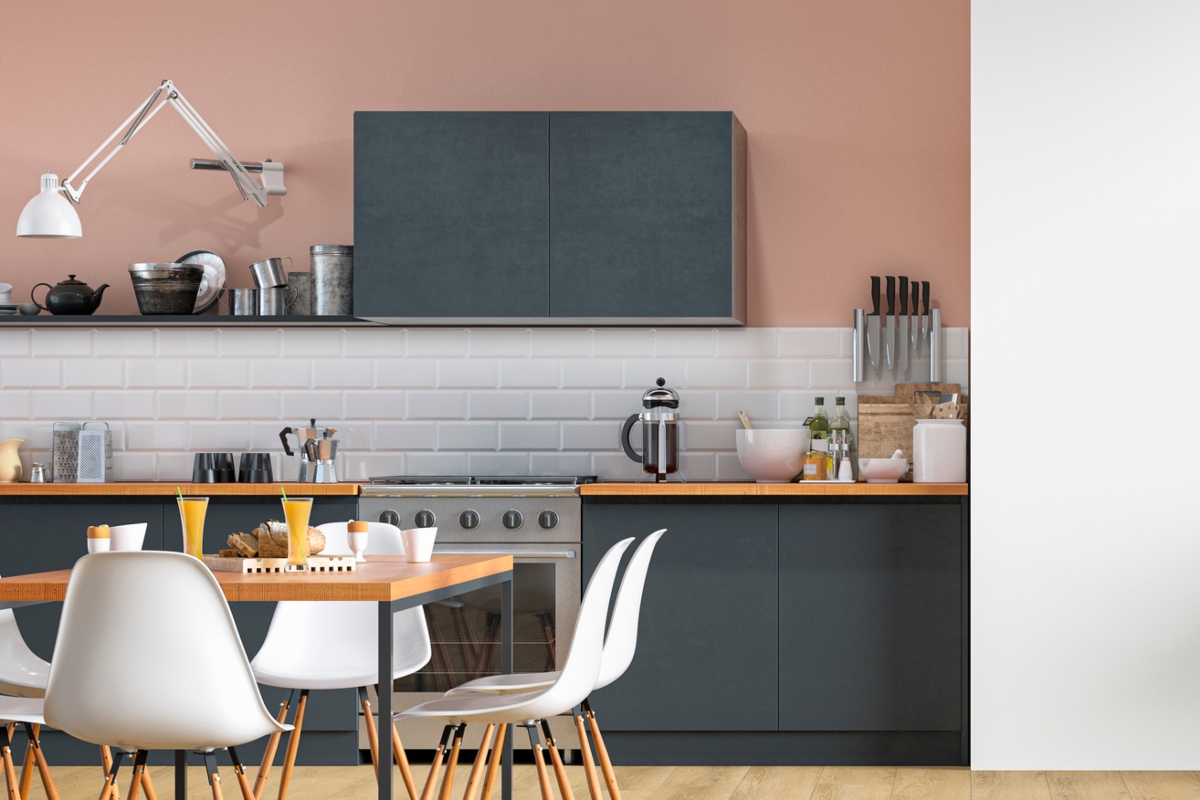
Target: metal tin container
x=333, y=279
x=272, y=302
x=243, y=302
x=300, y=303
x=268, y=273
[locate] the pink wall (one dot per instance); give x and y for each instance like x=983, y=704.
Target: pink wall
x=857, y=114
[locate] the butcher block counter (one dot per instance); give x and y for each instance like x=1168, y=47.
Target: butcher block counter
x=164, y=488
x=748, y=489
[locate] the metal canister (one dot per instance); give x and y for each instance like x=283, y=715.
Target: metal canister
x=333, y=279
x=243, y=302
x=300, y=301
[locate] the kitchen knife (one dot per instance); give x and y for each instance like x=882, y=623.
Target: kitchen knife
x=902, y=330
x=915, y=324
x=925, y=312
x=873, y=325
x=889, y=336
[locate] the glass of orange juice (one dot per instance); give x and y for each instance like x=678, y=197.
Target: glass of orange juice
x=296, y=511
x=191, y=513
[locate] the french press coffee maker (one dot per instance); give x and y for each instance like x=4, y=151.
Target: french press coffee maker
x=660, y=432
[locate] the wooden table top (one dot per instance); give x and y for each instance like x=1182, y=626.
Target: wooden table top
x=749, y=489
x=380, y=578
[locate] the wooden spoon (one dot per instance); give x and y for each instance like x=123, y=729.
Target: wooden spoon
x=745, y=420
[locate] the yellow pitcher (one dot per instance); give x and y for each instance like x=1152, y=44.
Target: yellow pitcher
x=10, y=462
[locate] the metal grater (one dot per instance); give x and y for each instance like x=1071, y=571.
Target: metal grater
x=65, y=462
x=94, y=462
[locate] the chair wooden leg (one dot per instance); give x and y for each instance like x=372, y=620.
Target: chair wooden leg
x=589, y=766
x=452, y=763
x=106, y=763
x=26, y=765
x=148, y=785
x=610, y=777
x=402, y=761
x=139, y=771
x=560, y=772
x=436, y=767
x=110, y=780
x=493, y=770
x=39, y=758
x=264, y=769
x=480, y=761
x=10, y=772
x=540, y=762
x=240, y=771
x=214, y=777
x=289, y=761
x=372, y=733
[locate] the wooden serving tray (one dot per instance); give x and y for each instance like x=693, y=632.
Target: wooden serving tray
x=263, y=565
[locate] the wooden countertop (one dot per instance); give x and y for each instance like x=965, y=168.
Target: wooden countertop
x=700, y=489
x=134, y=489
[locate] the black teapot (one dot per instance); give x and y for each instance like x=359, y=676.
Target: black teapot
x=70, y=297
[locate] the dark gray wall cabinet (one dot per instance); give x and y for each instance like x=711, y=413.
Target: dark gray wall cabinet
x=550, y=218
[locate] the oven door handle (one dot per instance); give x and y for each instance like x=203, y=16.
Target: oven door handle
x=518, y=554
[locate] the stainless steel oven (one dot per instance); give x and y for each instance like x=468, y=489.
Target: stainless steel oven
x=537, y=521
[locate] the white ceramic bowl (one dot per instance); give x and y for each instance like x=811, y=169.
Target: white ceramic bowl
x=772, y=455
x=418, y=544
x=128, y=537
x=882, y=470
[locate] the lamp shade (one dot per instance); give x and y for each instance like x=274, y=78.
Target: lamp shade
x=49, y=215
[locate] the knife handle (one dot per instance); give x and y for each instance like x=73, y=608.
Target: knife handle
x=925, y=296
x=916, y=297
x=875, y=295
x=891, y=295
x=904, y=295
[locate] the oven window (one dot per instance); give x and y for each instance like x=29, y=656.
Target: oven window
x=465, y=632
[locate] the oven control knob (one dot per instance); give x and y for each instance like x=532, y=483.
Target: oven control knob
x=548, y=520
x=425, y=519
x=513, y=520
x=469, y=520
x=390, y=517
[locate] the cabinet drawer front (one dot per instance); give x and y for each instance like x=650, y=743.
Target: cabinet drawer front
x=870, y=635
x=450, y=214
x=706, y=654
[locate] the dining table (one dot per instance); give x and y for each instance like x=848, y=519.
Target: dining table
x=390, y=581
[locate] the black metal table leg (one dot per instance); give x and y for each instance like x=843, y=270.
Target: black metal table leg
x=180, y=774
x=385, y=701
x=506, y=666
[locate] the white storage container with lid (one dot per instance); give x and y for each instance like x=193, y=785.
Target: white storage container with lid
x=939, y=451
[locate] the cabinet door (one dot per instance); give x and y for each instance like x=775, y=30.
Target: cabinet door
x=450, y=213
x=870, y=617
x=706, y=653
x=642, y=214
x=41, y=535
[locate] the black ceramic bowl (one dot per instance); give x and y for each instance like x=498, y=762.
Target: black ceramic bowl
x=165, y=288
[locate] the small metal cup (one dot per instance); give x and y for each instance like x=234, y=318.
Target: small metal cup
x=37, y=473
x=268, y=273
x=243, y=302
x=272, y=302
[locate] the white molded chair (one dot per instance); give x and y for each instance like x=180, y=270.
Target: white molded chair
x=619, y=647
x=576, y=679
x=176, y=680
x=334, y=645
x=26, y=712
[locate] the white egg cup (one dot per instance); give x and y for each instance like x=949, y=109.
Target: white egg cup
x=358, y=544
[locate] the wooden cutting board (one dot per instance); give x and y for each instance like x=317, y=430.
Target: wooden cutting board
x=885, y=423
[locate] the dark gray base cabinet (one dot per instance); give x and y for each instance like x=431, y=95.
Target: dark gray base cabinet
x=42, y=534
x=550, y=218
x=807, y=631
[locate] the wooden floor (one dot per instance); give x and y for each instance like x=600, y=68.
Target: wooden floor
x=711, y=783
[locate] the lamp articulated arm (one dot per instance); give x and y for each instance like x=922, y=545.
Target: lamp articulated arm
x=272, y=172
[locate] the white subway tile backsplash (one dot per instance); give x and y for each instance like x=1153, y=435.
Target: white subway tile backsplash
x=25, y=373
x=622, y=343
x=61, y=405
x=498, y=405
x=101, y=373
x=165, y=373
x=467, y=373
x=184, y=405
x=437, y=405
x=530, y=373
x=466, y=435
x=426, y=401
x=187, y=343
x=529, y=436
x=62, y=343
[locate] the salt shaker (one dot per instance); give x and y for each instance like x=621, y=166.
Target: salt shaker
x=37, y=473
